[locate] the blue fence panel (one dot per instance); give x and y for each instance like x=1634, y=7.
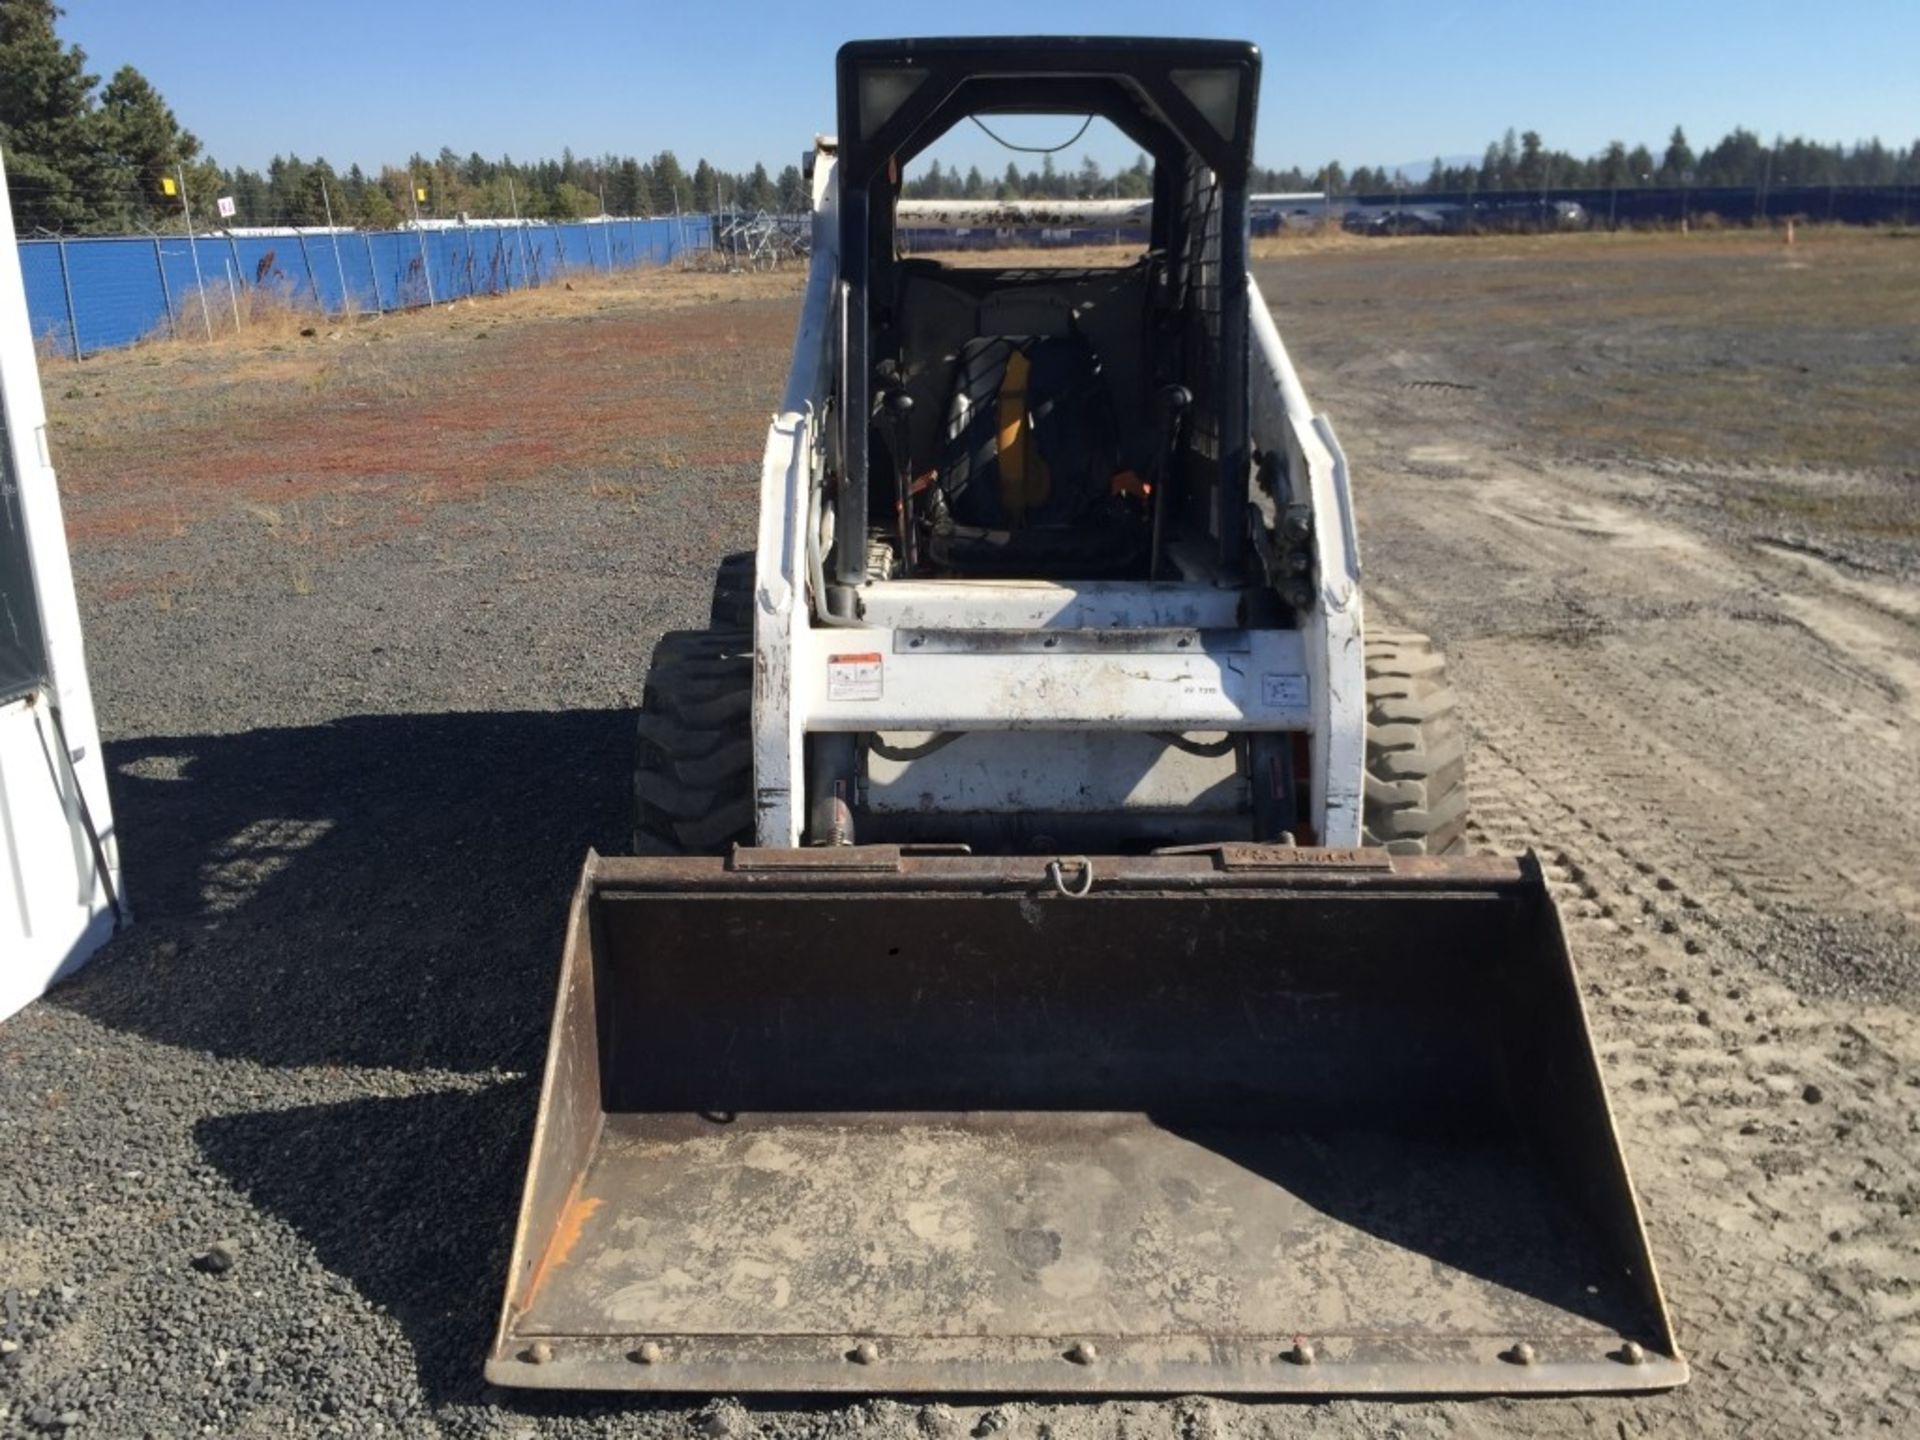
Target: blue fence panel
x=46, y=295
x=98, y=293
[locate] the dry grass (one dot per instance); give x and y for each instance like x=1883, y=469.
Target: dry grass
x=1727, y=351
x=219, y=311
x=1630, y=245
x=354, y=430
x=1037, y=257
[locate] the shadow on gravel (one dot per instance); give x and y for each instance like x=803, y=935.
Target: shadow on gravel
x=383, y=891
x=412, y=1199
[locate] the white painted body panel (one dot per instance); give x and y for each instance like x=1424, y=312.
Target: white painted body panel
x=1333, y=636
x=787, y=472
x=1055, y=772
x=54, y=910
x=1047, y=604
x=1261, y=685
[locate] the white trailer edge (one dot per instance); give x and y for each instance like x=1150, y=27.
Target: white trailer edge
x=60, y=891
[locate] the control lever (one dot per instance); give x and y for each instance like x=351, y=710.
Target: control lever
x=899, y=407
x=1169, y=409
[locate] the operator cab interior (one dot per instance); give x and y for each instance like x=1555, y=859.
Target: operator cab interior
x=1069, y=423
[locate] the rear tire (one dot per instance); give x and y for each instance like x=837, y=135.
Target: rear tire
x=1416, y=799
x=693, y=763
x=733, y=593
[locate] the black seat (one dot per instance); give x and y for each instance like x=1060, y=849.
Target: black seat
x=1026, y=483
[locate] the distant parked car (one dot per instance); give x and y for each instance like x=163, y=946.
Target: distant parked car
x=1529, y=216
x=1395, y=220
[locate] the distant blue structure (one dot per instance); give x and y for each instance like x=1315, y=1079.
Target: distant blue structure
x=85, y=295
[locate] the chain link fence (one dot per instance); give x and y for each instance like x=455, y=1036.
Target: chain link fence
x=86, y=295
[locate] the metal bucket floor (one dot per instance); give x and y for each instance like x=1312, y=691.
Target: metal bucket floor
x=1017, y=1236
x=929, y=1126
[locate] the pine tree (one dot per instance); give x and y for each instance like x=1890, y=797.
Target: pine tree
x=251, y=201
x=623, y=187
x=759, y=193
x=46, y=120
x=705, y=193
x=1530, y=173
x=671, y=192
x=141, y=146
x=1677, y=163
x=318, y=194
x=792, y=187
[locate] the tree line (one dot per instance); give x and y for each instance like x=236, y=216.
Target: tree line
x=293, y=191
x=82, y=158
x=1516, y=162
x=1738, y=160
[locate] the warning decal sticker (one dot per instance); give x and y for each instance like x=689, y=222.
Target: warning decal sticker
x=854, y=677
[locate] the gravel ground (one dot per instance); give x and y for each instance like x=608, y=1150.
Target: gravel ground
x=362, y=724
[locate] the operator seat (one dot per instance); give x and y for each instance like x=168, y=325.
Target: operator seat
x=1029, y=482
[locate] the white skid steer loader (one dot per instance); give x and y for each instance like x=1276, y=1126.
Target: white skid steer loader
x=1049, y=963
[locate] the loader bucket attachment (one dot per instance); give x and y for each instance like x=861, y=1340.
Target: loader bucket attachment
x=1251, y=1119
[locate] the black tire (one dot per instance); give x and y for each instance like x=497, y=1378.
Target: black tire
x=733, y=593
x=693, y=762
x=1416, y=800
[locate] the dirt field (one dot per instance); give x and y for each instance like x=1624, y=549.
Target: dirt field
x=367, y=611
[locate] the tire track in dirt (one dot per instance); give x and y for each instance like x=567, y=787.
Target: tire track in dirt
x=1783, y=1226
x=1696, y=767
x=1765, y=715
x=1692, y=681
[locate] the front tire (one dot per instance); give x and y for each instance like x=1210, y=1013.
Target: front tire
x=693, y=760
x=1416, y=795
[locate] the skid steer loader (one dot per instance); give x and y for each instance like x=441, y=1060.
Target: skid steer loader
x=1049, y=962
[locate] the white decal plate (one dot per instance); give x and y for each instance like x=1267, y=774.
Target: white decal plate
x=854, y=677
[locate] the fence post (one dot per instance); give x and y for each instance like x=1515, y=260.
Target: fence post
x=526, y=271
x=426, y=268
x=346, y=299
x=166, y=290
x=234, y=294
x=66, y=284
x=307, y=260
x=193, y=249
x=373, y=273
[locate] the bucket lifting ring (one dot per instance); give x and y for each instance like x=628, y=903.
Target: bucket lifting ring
x=1078, y=889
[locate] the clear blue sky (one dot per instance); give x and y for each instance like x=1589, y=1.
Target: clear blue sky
x=1376, y=82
